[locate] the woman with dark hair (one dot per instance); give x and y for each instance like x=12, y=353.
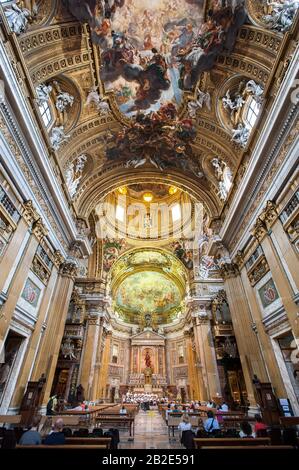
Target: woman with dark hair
x=211, y=424
x=246, y=430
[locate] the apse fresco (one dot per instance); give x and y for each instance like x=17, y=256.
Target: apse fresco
x=147, y=291
x=153, y=50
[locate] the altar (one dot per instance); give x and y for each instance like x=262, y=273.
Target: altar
x=148, y=363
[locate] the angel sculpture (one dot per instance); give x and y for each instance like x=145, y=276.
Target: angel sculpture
x=282, y=14
x=43, y=93
x=101, y=105
x=202, y=99
x=18, y=18
x=254, y=89
x=241, y=135
x=58, y=137
x=64, y=100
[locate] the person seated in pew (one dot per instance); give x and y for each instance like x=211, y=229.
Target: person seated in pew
x=211, y=404
x=259, y=424
x=223, y=407
x=56, y=436
x=32, y=437
x=123, y=411
x=185, y=424
x=211, y=424
x=176, y=409
x=169, y=410
x=246, y=430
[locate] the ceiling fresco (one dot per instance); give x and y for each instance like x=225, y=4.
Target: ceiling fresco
x=153, y=50
x=147, y=291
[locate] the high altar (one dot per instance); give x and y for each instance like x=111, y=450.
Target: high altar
x=148, y=364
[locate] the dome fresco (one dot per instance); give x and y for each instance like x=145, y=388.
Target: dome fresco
x=147, y=291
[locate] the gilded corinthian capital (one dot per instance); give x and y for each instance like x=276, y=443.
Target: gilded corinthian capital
x=228, y=270
x=68, y=269
x=30, y=214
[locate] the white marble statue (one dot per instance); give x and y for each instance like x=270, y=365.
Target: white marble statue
x=94, y=97
x=254, y=89
x=223, y=192
x=202, y=99
x=240, y=135
x=281, y=14
x=233, y=104
x=224, y=176
x=74, y=174
x=43, y=93
x=217, y=164
x=64, y=100
x=58, y=137
x=18, y=18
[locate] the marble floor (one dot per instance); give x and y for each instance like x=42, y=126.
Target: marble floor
x=151, y=432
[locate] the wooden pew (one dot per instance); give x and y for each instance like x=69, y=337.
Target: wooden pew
x=174, y=419
x=232, y=441
x=289, y=421
x=234, y=422
x=89, y=441
x=117, y=421
x=10, y=419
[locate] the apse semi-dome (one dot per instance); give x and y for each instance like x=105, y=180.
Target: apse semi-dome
x=148, y=291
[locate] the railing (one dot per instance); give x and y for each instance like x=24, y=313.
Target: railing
x=44, y=257
x=257, y=253
x=8, y=205
x=290, y=207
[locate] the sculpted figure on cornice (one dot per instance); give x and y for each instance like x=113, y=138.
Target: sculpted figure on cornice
x=43, y=93
x=94, y=98
x=242, y=104
x=18, y=16
x=74, y=174
x=58, y=137
x=278, y=16
x=281, y=14
x=201, y=99
x=240, y=135
x=63, y=100
x=224, y=177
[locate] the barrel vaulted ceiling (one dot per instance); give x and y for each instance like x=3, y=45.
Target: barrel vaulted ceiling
x=158, y=90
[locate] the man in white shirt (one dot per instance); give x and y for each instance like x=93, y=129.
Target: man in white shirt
x=223, y=407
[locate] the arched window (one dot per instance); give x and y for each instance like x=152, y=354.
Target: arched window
x=45, y=112
x=251, y=115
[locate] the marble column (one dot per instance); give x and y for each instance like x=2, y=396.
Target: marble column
x=36, y=334
x=206, y=348
x=249, y=349
x=262, y=336
x=107, y=336
x=49, y=351
x=37, y=232
x=192, y=369
x=202, y=389
x=91, y=357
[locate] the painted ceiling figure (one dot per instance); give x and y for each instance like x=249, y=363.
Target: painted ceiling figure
x=156, y=53
x=164, y=141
